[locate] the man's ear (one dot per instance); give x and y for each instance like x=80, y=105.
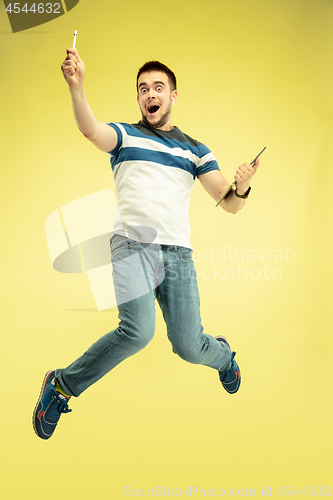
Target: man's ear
x=174, y=95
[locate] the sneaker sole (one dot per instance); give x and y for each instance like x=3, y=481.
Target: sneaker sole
x=46, y=379
x=223, y=339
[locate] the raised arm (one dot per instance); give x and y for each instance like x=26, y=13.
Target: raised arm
x=102, y=135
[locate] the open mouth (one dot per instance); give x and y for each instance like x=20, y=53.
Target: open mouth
x=153, y=109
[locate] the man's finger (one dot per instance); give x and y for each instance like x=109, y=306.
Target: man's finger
x=71, y=59
x=74, y=53
x=244, y=169
x=256, y=164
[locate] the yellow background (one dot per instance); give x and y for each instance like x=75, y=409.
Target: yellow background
x=251, y=74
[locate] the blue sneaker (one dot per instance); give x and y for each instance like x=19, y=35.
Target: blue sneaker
x=50, y=405
x=230, y=378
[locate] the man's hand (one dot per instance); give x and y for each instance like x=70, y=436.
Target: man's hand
x=73, y=69
x=243, y=176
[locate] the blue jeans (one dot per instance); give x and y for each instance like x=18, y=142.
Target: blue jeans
x=142, y=273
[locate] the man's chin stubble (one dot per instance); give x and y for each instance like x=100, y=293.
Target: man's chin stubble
x=159, y=124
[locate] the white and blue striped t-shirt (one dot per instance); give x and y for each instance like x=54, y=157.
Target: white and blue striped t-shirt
x=154, y=173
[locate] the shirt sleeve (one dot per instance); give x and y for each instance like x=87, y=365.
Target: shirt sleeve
x=119, y=141
x=207, y=161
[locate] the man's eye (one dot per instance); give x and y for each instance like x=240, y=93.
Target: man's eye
x=159, y=88
x=143, y=91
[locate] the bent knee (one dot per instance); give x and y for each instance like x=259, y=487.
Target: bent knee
x=138, y=339
x=188, y=353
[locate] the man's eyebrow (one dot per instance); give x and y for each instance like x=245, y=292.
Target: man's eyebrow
x=155, y=83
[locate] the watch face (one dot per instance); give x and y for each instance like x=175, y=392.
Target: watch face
x=245, y=195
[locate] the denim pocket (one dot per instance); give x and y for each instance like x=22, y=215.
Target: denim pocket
x=185, y=253
x=119, y=242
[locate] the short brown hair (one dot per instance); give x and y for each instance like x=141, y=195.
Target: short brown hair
x=157, y=66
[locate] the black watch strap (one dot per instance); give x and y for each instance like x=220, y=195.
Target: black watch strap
x=245, y=195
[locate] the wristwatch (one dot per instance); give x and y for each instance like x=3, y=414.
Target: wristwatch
x=245, y=195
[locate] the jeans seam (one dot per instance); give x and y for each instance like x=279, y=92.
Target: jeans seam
x=94, y=361
x=97, y=358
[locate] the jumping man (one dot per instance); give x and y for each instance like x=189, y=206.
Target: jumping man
x=154, y=166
